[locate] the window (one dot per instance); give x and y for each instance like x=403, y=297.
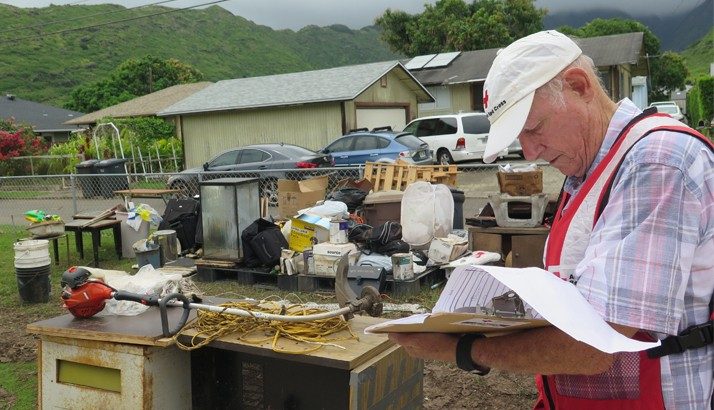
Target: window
x=249, y=156
x=382, y=143
x=366, y=143
x=341, y=145
x=476, y=124
x=227, y=158
x=412, y=128
x=442, y=97
x=409, y=141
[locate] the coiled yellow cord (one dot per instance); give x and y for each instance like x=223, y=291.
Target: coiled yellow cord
x=210, y=326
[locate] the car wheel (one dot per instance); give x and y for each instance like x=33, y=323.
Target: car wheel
x=443, y=157
x=270, y=190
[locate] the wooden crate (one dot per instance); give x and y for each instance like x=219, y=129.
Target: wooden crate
x=397, y=176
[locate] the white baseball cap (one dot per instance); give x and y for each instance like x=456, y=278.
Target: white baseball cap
x=517, y=71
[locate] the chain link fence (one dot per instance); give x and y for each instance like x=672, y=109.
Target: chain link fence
x=68, y=195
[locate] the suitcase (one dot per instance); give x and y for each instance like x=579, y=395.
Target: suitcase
x=182, y=215
x=267, y=246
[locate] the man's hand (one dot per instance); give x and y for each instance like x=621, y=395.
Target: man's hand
x=428, y=346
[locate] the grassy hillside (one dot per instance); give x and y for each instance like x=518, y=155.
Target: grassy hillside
x=700, y=55
x=45, y=67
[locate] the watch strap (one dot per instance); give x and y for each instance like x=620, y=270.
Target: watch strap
x=463, y=355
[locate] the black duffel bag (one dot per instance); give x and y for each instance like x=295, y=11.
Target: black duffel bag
x=262, y=243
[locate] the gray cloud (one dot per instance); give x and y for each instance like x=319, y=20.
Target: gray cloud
x=294, y=14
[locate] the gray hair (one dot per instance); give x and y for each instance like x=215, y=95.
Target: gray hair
x=553, y=89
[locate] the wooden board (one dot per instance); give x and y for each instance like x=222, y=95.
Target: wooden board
x=143, y=329
x=355, y=352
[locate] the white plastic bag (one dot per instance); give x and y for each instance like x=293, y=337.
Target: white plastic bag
x=427, y=213
x=147, y=281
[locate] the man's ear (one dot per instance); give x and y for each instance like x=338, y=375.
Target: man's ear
x=579, y=82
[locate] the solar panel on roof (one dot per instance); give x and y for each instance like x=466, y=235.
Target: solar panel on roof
x=419, y=61
x=442, y=60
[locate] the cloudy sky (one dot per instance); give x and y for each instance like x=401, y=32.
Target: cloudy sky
x=295, y=14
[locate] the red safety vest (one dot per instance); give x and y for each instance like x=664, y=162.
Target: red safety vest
x=633, y=382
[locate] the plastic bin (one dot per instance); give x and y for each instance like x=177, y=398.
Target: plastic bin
x=108, y=184
x=88, y=185
x=383, y=206
x=459, y=198
x=129, y=235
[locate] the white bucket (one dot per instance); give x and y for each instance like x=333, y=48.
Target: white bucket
x=338, y=231
x=32, y=253
x=402, y=268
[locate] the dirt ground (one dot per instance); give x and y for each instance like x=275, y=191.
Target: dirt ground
x=445, y=386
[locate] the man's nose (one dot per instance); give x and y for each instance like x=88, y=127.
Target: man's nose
x=531, y=150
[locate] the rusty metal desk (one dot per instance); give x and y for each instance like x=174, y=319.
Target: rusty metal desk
x=369, y=373
x=77, y=226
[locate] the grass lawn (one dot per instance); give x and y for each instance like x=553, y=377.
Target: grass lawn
x=18, y=371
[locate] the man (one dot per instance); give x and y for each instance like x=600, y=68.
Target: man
x=634, y=232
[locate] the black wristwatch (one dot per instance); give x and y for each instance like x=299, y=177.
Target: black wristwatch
x=463, y=355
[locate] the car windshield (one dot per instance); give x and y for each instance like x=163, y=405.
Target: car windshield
x=409, y=141
x=669, y=109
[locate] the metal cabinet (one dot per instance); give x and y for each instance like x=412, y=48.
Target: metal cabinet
x=228, y=206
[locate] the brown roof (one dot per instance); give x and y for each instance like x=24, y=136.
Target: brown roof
x=146, y=105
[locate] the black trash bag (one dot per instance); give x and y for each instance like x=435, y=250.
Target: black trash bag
x=352, y=197
x=262, y=243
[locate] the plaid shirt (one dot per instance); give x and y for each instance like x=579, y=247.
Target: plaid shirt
x=649, y=263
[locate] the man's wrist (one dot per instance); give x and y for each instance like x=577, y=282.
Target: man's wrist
x=464, y=359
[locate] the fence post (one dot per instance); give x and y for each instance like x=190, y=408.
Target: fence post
x=73, y=185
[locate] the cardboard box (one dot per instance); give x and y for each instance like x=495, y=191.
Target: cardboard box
x=307, y=230
x=296, y=195
x=521, y=183
x=327, y=257
x=445, y=250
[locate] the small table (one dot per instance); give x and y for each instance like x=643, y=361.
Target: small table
x=77, y=226
x=146, y=193
x=526, y=245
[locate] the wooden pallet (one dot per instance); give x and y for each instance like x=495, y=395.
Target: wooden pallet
x=397, y=176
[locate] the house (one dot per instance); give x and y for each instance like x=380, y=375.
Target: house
x=45, y=120
x=308, y=108
x=144, y=106
x=456, y=79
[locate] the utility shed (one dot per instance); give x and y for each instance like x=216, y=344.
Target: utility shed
x=456, y=79
x=308, y=108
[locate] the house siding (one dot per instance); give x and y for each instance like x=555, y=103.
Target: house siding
x=395, y=92
x=207, y=134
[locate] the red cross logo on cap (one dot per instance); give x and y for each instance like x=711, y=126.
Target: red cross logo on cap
x=485, y=99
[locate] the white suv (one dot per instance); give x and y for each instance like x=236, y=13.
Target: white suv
x=456, y=137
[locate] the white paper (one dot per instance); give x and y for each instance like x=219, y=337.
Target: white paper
x=562, y=305
x=544, y=295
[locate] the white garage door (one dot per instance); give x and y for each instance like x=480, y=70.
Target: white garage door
x=380, y=117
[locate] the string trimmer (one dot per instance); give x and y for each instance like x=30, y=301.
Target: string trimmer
x=85, y=297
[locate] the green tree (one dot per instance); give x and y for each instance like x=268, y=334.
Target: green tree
x=668, y=71
x=451, y=25
x=133, y=78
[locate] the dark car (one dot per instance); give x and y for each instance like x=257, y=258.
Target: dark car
x=378, y=145
x=261, y=157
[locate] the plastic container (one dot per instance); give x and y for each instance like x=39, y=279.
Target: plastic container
x=148, y=255
x=88, y=184
x=106, y=185
x=380, y=207
x=459, y=198
x=32, y=270
x=166, y=239
x=427, y=213
x=129, y=235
